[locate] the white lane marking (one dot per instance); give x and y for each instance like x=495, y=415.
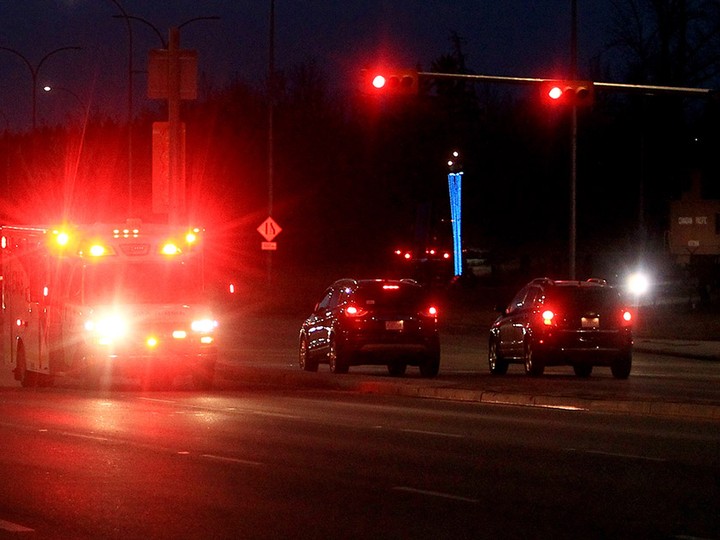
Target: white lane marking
x=436, y=494
x=624, y=456
x=232, y=460
x=433, y=433
x=277, y=415
x=560, y=407
x=13, y=527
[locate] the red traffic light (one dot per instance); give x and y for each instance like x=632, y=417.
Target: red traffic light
x=578, y=93
x=390, y=81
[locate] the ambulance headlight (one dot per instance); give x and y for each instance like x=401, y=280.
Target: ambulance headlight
x=107, y=329
x=203, y=326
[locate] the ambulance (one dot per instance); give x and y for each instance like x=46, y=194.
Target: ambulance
x=105, y=300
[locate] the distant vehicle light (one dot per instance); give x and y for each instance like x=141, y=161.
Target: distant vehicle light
x=390, y=287
x=432, y=311
x=206, y=340
x=191, y=237
x=446, y=255
x=152, y=342
x=407, y=256
x=179, y=334
x=638, y=283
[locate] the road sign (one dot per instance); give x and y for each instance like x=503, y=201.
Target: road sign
x=269, y=229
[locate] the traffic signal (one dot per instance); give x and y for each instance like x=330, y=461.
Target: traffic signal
x=578, y=93
x=390, y=81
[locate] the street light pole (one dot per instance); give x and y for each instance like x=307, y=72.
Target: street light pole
x=131, y=72
x=34, y=70
x=173, y=43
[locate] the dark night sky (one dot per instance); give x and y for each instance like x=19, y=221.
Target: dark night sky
x=508, y=37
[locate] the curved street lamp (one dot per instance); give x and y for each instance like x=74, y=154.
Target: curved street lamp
x=48, y=89
x=34, y=70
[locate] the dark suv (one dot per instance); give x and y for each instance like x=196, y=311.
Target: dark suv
x=578, y=323
x=372, y=321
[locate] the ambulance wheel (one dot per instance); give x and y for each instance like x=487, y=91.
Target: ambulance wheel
x=203, y=377
x=26, y=378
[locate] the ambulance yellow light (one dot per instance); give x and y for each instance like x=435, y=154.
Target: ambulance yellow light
x=97, y=250
x=62, y=238
x=170, y=249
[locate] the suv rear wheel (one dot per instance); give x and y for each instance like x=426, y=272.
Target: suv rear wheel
x=622, y=366
x=498, y=366
x=337, y=362
x=430, y=366
x=306, y=364
x=533, y=365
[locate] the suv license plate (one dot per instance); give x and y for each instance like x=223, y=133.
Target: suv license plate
x=590, y=322
x=393, y=325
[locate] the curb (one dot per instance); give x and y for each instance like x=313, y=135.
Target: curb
x=277, y=377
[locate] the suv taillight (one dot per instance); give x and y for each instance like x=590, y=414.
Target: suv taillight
x=626, y=317
x=547, y=317
x=430, y=311
x=354, y=311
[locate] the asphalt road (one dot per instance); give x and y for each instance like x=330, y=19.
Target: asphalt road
x=670, y=377
x=284, y=463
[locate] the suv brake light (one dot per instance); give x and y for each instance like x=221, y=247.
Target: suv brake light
x=627, y=317
x=547, y=317
x=354, y=311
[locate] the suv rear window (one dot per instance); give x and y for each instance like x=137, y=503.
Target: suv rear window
x=390, y=295
x=597, y=298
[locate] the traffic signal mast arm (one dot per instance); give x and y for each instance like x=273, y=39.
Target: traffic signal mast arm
x=620, y=87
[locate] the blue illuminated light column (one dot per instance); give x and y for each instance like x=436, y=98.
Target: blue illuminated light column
x=455, y=189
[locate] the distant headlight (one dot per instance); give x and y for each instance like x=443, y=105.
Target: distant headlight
x=204, y=326
x=638, y=283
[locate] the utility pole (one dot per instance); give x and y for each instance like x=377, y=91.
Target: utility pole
x=573, y=147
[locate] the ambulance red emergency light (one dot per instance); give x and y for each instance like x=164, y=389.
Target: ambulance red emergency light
x=103, y=299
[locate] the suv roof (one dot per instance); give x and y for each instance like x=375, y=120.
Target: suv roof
x=592, y=282
x=350, y=282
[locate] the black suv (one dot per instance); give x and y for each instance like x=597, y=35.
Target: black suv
x=578, y=323
x=372, y=321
